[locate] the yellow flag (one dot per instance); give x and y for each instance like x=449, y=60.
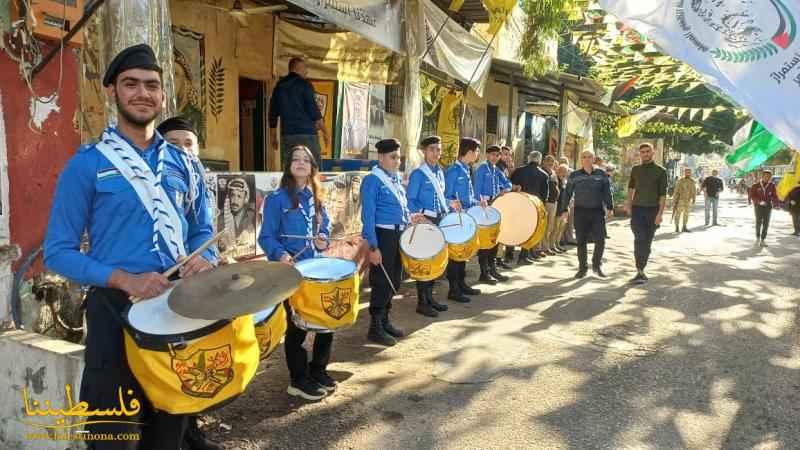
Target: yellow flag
x=498, y=13
x=790, y=180
x=448, y=125
x=455, y=5
x=629, y=124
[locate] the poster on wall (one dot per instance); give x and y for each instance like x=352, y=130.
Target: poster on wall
x=377, y=112
x=236, y=206
x=324, y=95
x=474, y=123
x=189, y=53
x=447, y=126
x=355, y=120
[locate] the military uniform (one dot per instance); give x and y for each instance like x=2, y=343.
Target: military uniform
x=683, y=199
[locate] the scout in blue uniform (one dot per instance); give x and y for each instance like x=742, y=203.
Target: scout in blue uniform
x=459, y=189
x=134, y=195
x=426, y=196
x=384, y=215
x=180, y=132
x=296, y=209
x=490, y=182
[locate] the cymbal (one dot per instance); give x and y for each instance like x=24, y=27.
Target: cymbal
x=234, y=290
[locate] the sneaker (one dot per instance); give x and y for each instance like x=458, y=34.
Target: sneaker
x=196, y=439
x=524, y=262
x=457, y=296
x=306, y=389
x=686, y=230
x=324, y=380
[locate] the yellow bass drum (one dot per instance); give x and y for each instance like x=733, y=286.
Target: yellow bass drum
x=425, y=256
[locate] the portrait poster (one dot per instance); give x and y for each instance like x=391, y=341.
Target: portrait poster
x=324, y=94
x=189, y=53
x=355, y=120
x=377, y=111
x=236, y=206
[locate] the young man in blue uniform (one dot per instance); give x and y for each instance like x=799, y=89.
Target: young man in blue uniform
x=384, y=215
x=490, y=182
x=460, y=191
x=133, y=193
x=426, y=196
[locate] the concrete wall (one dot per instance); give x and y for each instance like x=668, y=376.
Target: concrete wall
x=44, y=366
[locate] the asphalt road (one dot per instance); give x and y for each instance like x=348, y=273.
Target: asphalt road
x=705, y=356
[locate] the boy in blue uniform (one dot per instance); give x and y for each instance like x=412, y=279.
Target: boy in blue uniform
x=490, y=182
x=459, y=190
x=384, y=215
x=134, y=194
x=426, y=196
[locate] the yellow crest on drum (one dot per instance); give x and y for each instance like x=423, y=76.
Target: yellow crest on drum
x=205, y=372
x=337, y=302
x=423, y=251
x=270, y=328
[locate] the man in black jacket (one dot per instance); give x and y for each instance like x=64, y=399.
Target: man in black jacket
x=294, y=102
x=535, y=181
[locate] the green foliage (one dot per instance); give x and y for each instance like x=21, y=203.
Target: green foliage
x=545, y=19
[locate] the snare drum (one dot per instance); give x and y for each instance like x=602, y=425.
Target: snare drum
x=188, y=366
x=270, y=328
x=424, y=258
x=488, y=225
x=328, y=296
x=461, y=236
x=520, y=217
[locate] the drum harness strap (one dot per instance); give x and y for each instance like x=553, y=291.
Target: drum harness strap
x=437, y=181
x=394, y=186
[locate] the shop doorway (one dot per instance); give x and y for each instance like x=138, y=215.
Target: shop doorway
x=252, y=126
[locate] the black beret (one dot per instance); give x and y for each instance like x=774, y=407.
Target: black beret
x=430, y=140
x=493, y=149
x=175, y=123
x=136, y=57
x=387, y=145
x=469, y=143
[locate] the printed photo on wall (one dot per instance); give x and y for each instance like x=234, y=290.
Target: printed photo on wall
x=236, y=203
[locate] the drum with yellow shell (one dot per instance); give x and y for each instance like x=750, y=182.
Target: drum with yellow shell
x=270, y=327
x=328, y=296
x=423, y=251
x=523, y=219
x=541, y=224
x=461, y=233
x=188, y=366
x=488, y=219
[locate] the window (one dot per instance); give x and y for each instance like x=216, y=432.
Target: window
x=394, y=98
x=491, y=119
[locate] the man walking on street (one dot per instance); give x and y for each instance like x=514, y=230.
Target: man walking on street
x=294, y=102
x=647, y=195
x=712, y=186
x=763, y=195
x=683, y=199
x=593, y=203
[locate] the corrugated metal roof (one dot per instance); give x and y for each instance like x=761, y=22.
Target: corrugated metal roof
x=471, y=12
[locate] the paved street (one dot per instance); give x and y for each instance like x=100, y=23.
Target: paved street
x=705, y=356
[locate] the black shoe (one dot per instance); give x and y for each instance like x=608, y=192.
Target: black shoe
x=686, y=230
x=457, y=296
x=677, y=230
x=378, y=334
x=581, y=273
x=500, y=262
x=485, y=279
x=498, y=276
x=434, y=304
x=195, y=438
x=598, y=271
x=424, y=308
x=306, y=389
x=324, y=380
x=572, y=243
x=391, y=329
x=466, y=290
x=524, y=261
x=640, y=278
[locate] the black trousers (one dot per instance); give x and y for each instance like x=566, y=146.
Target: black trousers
x=590, y=222
x=763, y=213
x=296, y=355
x=795, y=213
x=643, y=223
x=107, y=371
x=380, y=300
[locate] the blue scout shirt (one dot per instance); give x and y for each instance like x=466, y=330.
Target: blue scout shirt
x=281, y=217
x=92, y=195
x=458, y=185
x=379, y=206
x=490, y=181
x=421, y=192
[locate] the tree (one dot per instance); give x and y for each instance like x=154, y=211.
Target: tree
x=544, y=21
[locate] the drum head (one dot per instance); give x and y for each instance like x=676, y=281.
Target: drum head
x=326, y=269
x=455, y=233
x=428, y=241
x=262, y=315
x=486, y=217
x=153, y=316
x=520, y=217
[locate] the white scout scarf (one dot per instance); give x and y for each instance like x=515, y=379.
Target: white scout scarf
x=437, y=180
x=394, y=187
x=147, y=185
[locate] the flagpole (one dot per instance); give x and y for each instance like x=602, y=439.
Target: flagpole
x=429, y=47
x=474, y=72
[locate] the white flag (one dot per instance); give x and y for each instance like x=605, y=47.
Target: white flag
x=754, y=59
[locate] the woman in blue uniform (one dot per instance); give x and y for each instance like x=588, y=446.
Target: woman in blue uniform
x=296, y=209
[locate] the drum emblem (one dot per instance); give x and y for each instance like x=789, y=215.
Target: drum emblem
x=419, y=269
x=205, y=372
x=264, y=336
x=337, y=302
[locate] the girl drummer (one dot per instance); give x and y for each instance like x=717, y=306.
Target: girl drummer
x=296, y=209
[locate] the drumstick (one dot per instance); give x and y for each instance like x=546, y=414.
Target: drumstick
x=171, y=271
x=485, y=214
x=386, y=274
x=459, y=209
x=413, y=230
x=311, y=238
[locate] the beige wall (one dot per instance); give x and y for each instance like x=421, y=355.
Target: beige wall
x=245, y=52
x=497, y=94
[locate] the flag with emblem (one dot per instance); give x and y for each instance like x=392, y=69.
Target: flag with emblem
x=498, y=13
